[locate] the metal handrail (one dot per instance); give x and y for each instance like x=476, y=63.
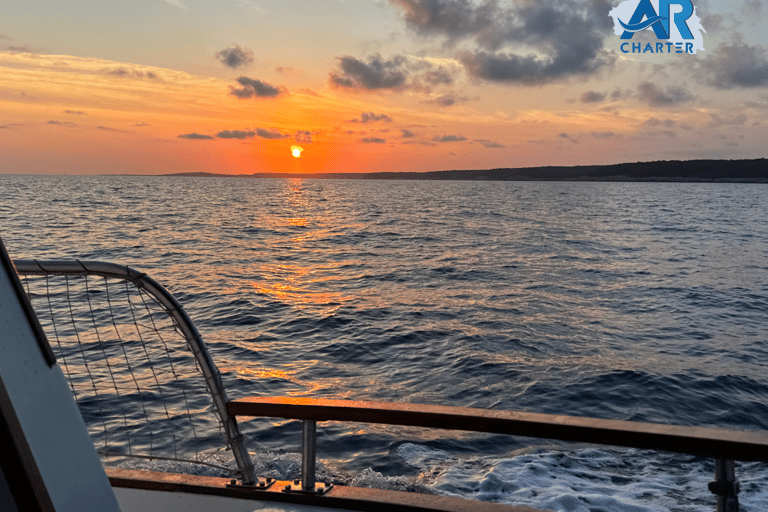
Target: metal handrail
x=183, y=321
x=723, y=445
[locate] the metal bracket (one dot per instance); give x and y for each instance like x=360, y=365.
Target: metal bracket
x=319, y=489
x=262, y=484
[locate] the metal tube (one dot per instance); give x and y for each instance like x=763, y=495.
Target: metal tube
x=308, y=454
x=725, y=486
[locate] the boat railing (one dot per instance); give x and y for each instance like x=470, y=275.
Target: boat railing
x=723, y=445
x=107, y=350
x=119, y=333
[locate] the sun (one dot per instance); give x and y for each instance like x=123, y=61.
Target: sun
x=296, y=151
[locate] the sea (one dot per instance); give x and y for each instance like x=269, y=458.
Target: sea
x=632, y=301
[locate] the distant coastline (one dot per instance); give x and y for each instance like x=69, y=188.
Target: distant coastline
x=721, y=171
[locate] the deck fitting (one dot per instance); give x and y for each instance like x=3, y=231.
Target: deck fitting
x=319, y=489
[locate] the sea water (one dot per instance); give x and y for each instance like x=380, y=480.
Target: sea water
x=631, y=301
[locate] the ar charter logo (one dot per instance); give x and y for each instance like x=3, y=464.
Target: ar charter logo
x=674, y=22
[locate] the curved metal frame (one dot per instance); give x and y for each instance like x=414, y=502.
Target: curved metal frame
x=176, y=311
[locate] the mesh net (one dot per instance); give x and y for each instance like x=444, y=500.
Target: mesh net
x=139, y=388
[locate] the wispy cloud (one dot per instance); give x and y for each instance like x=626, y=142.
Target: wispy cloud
x=176, y=3
x=304, y=136
x=68, y=124
x=716, y=121
x=195, y=136
x=235, y=134
x=267, y=134
x=592, y=97
x=253, y=7
x=449, y=138
x=108, y=129
x=370, y=117
x=490, y=143
x=657, y=96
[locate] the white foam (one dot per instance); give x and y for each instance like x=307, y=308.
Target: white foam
x=586, y=480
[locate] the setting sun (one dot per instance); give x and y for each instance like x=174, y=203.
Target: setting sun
x=296, y=151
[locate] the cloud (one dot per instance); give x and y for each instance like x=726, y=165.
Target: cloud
x=449, y=138
x=529, y=70
x=618, y=94
x=266, y=134
x=176, y=3
x=255, y=88
x=122, y=72
x=253, y=7
x=712, y=22
x=657, y=97
x=76, y=112
x=603, y=135
x=195, y=136
x=716, y=121
x=454, y=19
x=108, y=129
x=235, y=134
x=735, y=65
x=592, y=97
x=654, y=121
x=20, y=49
x=284, y=69
x=370, y=117
x=439, y=76
x=406, y=134
x=398, y=73
x=68, y=124
x=309, y=92
x=375, y=74
x=234, y=56
x=567, y=36
x=373, y=140
x=420, y=142
x=753, y=8
x=4, y=37
x=304, y=136
x=490, y=144
x=448, y=100
x=140, y=125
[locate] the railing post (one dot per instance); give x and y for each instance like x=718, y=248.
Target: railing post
x=308, y=454
x=725, y=486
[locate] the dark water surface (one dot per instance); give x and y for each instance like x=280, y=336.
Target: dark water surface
x=632, y=301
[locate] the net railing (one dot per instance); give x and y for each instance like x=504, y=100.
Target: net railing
x=137, y=366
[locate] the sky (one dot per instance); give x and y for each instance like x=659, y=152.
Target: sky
x=241, y=86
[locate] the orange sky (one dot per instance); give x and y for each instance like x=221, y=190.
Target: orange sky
x=184, y=86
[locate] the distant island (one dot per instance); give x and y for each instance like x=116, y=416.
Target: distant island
x=735, y=171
